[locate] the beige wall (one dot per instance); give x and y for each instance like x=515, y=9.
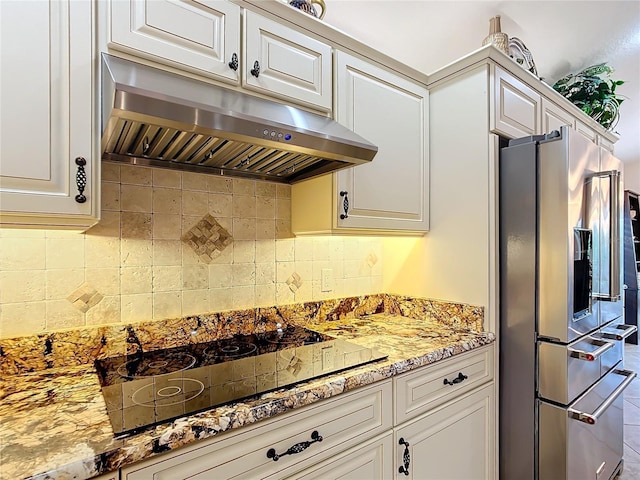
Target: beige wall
x=632, y=176
x=134, y=266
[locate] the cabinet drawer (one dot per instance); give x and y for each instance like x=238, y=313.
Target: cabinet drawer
x=342, y=423
x=515, y=108
x=371, y=461
x=423, y=389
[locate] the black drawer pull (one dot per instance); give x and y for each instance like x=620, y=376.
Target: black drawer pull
x=406, y=457
x=345, y=205
x=81, y=180
x=458, y=379
x=256, y=69
x=297, y=448
x=233, y=64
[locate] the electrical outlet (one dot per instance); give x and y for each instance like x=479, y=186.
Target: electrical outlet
x=326, y=280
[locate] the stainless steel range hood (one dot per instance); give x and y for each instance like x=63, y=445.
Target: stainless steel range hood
x=156, y=118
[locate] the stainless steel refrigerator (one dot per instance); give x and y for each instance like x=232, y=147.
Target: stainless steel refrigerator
x=561, y=315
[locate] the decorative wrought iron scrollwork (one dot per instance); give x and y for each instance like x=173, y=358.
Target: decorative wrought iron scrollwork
x=233, y=64
x=297, y=448
x=256, y=69
x=81, y=179
x=406, y=457
x=345, y=205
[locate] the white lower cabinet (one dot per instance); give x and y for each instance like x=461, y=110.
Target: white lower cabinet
x=455, y=441
x=438, y=434
x=445, y=420
x=282, y=446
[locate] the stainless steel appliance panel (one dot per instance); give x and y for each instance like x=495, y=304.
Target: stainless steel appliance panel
x=608, y=290
x=583, y=441
x=518, y=220
x=561, y=345
x=565, y=165
x=565, y=371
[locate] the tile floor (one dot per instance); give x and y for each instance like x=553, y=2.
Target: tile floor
x=632, y=417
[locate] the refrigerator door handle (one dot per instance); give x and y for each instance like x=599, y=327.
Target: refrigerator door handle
x=592, y=418
x=613, y=293
x=593, y=355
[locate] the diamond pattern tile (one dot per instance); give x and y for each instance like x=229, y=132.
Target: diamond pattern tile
x=84, y=297
x=207, y=238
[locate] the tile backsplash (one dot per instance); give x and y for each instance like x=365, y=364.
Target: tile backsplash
x=171, y=244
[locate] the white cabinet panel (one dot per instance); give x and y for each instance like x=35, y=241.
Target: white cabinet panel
x=371, y=461
x=280, y=61
x=423, y=389
x=391, y=192
x=456, y=441
x=514, y=107
x=47, y=116
x=586, y=131
x=605, y=143
x=553, y=117
x=200, y=36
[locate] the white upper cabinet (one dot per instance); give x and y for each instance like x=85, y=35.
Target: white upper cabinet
x=203, y=36
x=283, y=62
x=554, y=117
x=391, y=193
x=49, y=169
x=514, y=107
x=586, y=131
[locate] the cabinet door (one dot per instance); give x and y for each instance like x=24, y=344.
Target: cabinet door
x=605, y=143
x=553, y=117
x=586, y=131
x=456, y=441
x=514, y=107
x=199, y=36
x=283, y=62
x=46, y=114
x=371, y=461
x=390, y=111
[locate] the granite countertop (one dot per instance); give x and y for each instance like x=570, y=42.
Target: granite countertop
x=55, y=424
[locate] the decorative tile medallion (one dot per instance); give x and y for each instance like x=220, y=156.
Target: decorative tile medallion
x=84, y=297
x=372, y=259
x=294, y=282
x=207, y=238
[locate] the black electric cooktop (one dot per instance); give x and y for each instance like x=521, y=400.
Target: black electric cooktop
x=147, y=388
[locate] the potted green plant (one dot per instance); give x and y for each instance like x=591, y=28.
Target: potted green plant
x=594, y=93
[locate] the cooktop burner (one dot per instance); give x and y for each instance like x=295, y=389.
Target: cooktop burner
x=147, y=388
x=230, y=348
x=156, y=364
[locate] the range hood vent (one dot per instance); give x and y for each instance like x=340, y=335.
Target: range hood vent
x=157, y=118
